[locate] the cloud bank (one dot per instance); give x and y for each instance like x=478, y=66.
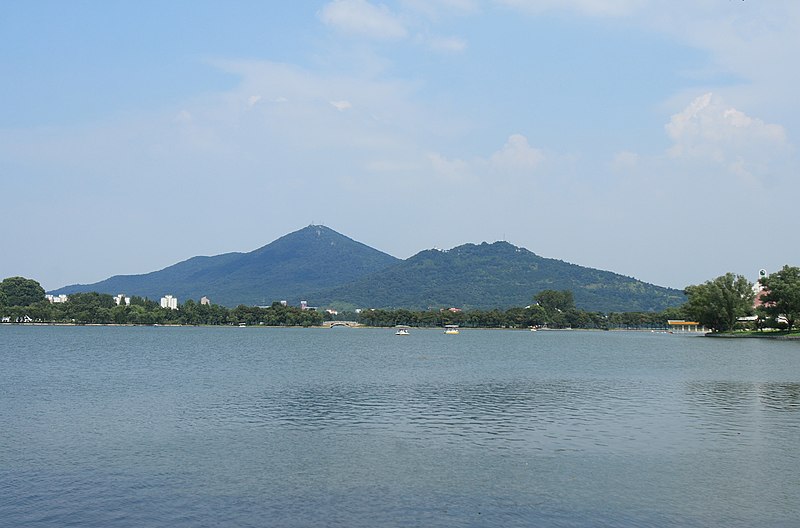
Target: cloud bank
x=359, y=17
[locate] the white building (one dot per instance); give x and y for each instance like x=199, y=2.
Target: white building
x=205, y=301
x=56, y=298
x=304, y=306
x=119, y=299
x=168, y=301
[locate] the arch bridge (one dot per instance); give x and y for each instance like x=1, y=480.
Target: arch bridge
x=349, y=324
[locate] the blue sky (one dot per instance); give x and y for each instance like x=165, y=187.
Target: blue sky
x=653, y=139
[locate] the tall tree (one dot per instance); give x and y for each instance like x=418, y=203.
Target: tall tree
x=19, y=291
x=781, y=295
x=718, y=303
x=555, y=300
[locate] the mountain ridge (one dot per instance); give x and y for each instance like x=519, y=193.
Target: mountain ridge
x=497, y=275
x=327, y=268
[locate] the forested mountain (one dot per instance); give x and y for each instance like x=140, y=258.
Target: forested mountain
x=495, y=275
x=313, y=258
x=326, y=268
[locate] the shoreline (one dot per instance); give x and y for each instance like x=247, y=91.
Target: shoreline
x=327, y=326
x=784, y=337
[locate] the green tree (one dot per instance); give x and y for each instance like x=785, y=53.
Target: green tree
x=119, y=314
x=718, y=303
x=555, y=300
x=536, y=315
x=89, y=307
x=781, y=295
x=19, y=291
x=41, y=311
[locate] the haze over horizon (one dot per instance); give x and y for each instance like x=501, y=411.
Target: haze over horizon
x=655, y=140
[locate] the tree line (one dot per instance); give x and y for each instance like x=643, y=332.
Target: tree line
x=731, y=301
x=722, y=304
x=550, y=308
x=23, y=300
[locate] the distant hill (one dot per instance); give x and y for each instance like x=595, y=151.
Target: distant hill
x=313, y=258
x=494, y=276
x=326, y=268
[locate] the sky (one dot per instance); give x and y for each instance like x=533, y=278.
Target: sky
x=653, y=139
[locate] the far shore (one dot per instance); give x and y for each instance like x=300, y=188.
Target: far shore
x=327, y=326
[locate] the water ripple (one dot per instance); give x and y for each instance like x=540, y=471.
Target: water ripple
x=558, y=414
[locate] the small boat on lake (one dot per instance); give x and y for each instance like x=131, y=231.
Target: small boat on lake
x=451, y=329
x=402, y=330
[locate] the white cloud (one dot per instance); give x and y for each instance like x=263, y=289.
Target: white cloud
x=342, y=105
x=586, y=7
x=455, y=170
x=434, y=8
x=708, y=129
x=360, y=17
x=253, y=100
x=516, y=155
x=516, y=158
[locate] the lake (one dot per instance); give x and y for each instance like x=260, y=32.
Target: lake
x=162, y=426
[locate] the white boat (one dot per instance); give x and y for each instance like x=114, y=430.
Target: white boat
x=402, y=330
x=451, y=329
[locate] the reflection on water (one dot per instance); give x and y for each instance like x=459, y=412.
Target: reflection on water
x=780, y=396
x=739, y=396
x=531, y=415
x=752, y=412
x=495, y=407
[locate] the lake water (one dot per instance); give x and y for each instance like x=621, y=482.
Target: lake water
x=119, y=427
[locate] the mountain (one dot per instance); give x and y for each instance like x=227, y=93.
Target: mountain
x=313, y=258
x=326, y=268
x=494, y=276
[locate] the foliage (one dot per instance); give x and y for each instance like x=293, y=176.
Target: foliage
x=555, y=301
x=781, y=297
x=90, y=307
x=718, y=303
x=19, y=291
x=275, y=315
x=101, y=308
x=497, y=275
x=644, y=320
x=531, y=316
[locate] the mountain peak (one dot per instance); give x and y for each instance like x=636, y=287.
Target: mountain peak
x=318, y=230
x=305, y=260
x=500, y=247
x=312, y=238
